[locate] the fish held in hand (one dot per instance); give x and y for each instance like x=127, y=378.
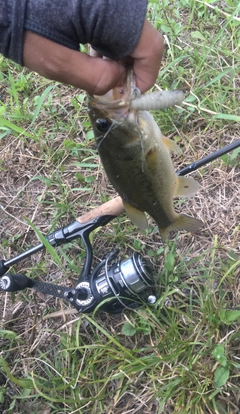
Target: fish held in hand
x=136, y=157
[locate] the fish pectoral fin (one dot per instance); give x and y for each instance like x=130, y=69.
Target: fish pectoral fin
x=171, y=145
x=183, y=222
x=185, y=187
x=136, y=216
x=151, y=158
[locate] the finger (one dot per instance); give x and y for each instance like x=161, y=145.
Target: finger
x=147, y=57
x=105, y=75
x=57, y=62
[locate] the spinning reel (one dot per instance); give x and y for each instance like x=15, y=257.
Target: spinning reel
x=117, y=284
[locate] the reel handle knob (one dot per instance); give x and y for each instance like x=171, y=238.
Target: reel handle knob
x=14, y=283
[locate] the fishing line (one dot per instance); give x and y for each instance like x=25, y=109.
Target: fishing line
x=141, y=139
x=102, y=137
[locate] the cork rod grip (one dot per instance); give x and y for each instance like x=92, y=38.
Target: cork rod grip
x=113, y=207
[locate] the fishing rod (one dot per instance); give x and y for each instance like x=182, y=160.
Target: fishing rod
x=209, y=158
x=114, y=284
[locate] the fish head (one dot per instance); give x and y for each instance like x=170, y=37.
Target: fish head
x=112, y=111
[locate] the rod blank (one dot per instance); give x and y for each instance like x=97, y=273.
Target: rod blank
x=209, y=158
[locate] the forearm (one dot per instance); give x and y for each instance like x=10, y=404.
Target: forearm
x=94, y=75
x=44, y=36
x=112, y=27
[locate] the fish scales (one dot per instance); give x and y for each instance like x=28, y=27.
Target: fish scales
x=136, y=158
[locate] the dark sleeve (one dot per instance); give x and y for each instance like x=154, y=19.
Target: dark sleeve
x=112, y=27
x=12, y=13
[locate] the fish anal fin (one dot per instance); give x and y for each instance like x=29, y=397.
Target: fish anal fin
x=185, y=187
x=136, y=216
x=171, y=145
x=183, y=222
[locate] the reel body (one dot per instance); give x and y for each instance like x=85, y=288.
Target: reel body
x=112, y=285
x=125, y=284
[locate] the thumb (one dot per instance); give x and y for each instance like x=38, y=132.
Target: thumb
x=103, y=75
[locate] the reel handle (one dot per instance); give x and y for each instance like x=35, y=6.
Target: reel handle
x=15, y=282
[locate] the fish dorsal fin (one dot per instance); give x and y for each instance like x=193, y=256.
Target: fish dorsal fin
x=151, y=158
x=185, y=187
x=171, y=145
x=136, y=216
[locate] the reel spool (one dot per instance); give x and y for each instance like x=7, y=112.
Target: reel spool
x=125, y=284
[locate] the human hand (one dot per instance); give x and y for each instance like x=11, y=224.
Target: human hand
x=92, y=73
x=145, y=58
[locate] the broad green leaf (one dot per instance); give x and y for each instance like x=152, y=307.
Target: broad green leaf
x=89, y=135
x=221, y=376
x=45, y=180
x=1, y=397
x=230, y=316
x=23, y=382
x=128, y=329
x=197, y=35
x=228, y=117
x=234, y=154
x=219, y=354
x=169, y=262
x=7, y=334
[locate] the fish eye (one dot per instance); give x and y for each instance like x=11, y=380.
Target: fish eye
x=102, y=124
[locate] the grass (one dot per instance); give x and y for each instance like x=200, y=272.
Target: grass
x=180, y=355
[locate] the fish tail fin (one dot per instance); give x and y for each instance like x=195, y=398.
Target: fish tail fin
x=182, y=222
x=187, y=223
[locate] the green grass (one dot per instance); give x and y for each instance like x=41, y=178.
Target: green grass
x=180, y=355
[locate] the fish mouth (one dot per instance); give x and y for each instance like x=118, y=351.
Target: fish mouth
x=116, y=102
x=99, y=103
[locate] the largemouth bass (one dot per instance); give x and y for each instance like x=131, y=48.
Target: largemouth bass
x=136, y=156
